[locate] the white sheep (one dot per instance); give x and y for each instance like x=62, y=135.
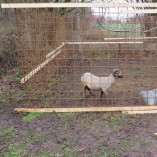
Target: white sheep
x=92, y=82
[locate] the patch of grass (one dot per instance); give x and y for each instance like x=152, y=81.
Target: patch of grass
x=128, y=144
x=12, y=96
x=108, y=152
x=43, y=154
x=4, y=100
x=8, y=78
x=144, y=144
x=88, y=119
x=116, y=119
x=70, y=115
x=68, y=119
x=17, y=96
x=26, y=137
x=18, y=73
x=145, y=70
x=7, y=132
x=97, y=54
x=70, y=152
x=33, y=137
x=56, y=80
x=32, y=116
x=2, y=71
x=58, y=155
x=16, y=151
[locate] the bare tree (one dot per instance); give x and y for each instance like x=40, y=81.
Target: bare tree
x=149, y=20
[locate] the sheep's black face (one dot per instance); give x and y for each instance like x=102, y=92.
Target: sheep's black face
x=117, y=73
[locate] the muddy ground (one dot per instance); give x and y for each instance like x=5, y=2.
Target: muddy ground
x=71, y=134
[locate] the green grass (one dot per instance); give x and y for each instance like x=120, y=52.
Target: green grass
x=2, y=71
x=8, y=78
x=108, y=152
x=32, y=137
x=7, y=132
x=16, y=151
x=115, y=120
x=97, y=54
x=58, y=155
x=43, y=154
x=128, y=144
x=68, y=115
x=11, y=97
x=32, y=116
x=146, y=70
x=70, y=152
x=87, y=120
x=56, y=81
x=18, y=73
x=4, y=100
x=144, y=144
x=68, y=119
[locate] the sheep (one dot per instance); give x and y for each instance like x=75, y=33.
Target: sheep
x=92, y=82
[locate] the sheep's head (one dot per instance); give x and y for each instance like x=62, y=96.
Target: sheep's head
x=117, y=73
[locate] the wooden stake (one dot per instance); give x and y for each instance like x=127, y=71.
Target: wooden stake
x=87, y=109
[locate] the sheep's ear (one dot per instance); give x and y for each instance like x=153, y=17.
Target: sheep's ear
x=115, y=70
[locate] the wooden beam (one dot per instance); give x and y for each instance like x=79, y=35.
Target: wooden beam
x=130, y=38
x=33, y=72
x=75, y=5
x=87, y=109
x=83, y=43
x=146, y=11
x=131, y=11
x=54, y=51
x=141, y=112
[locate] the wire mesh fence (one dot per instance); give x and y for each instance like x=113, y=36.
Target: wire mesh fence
x=56, y=50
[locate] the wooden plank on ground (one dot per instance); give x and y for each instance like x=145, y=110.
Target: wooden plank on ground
x=87, y=109
x=130, y=38
x=141, y=112
x=75, y=5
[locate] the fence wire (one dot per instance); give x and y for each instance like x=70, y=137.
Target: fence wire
x=63, y=48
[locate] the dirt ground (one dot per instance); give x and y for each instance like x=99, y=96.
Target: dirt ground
x=72, y=134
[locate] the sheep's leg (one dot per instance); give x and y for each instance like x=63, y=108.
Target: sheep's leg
x=101, y=94
x=85, y=90
x=89, y=90
x=106, y=95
